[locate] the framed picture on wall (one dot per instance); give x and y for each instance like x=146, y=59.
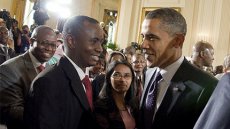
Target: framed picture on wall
x=144, y=12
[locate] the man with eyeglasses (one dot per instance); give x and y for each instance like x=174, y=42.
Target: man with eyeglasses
x=139, y=65
x=17, y=74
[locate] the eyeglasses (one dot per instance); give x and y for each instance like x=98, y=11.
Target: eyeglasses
x=117, y=76
x=47, y=43
x=138, y=62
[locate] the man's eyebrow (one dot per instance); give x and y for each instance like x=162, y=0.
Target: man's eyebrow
x=152, y=36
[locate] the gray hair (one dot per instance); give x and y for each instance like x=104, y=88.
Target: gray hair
x=227, y=62
x=171, y=21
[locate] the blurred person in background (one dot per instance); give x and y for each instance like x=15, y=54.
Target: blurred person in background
x=25, y=39
x=202, y=55
x=5, y=52
x=226, y=67
x=139, y=64
x=216, y=113
x=16, y=36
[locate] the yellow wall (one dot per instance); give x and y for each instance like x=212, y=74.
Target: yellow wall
x=15, y=7
x=5, y=4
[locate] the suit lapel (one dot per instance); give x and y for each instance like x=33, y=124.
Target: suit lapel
x=176, y=88
x=171, y=97
x=76, y=83
x=29, y=66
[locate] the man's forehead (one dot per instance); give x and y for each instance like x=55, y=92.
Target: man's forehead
x=149, y=24
x=209, y=51
x=146, y=23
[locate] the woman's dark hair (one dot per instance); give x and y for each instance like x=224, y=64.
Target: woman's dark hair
x=106, y=91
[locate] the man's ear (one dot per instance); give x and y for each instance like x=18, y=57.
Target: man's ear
x=202, y=54
x=70, y=41
x=178, y=40
x=32, y=41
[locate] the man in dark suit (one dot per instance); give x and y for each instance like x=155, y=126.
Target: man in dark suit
x=175, y=92
x=5, y=52
x=17, y=74
x=216, y=113
x=58, y=98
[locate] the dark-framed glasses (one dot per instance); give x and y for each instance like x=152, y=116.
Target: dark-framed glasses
x=118, y=76
x=139, y=62
x=47, y=43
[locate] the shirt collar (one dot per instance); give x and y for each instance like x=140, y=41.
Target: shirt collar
x=168, y=72
x=79, y=70
x=35, y=62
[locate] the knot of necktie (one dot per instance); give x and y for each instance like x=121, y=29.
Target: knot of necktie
x=40, y=68
x=88, y=89
x=139, y=87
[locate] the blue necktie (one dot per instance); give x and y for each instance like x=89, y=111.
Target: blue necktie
x=150, y=100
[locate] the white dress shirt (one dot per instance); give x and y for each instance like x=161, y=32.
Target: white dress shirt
x=78, y=69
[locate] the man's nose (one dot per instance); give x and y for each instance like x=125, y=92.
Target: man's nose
x=49, y=47
x=99, y=48
x=144, y=44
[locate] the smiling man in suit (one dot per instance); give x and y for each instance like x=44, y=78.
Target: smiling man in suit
x=60, y=98
x=175, y=92
x=17, y=74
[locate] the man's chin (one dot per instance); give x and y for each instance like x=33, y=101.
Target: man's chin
x=92, y=63
x=149, y=64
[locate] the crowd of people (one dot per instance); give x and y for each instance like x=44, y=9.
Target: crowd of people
x=67, y=80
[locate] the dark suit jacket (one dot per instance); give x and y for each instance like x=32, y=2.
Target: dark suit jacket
x=3, y=58
x=108, y=115
x=217, y=111
x=57, y=100
x=16, y=76
x=185, y=98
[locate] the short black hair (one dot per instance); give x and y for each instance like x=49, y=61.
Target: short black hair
x=75, y=24
x=171, y=20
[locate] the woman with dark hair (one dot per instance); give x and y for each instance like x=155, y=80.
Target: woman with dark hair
x=98, y=81
x=117, y=106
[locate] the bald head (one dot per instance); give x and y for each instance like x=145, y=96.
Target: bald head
x=43, y=41
x=202, y=54
x=40, y=30
x=201, y=46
